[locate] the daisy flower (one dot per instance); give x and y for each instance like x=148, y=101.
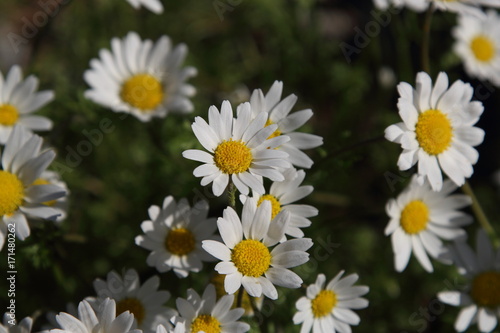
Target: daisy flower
x=18, y=100
x=10, y=325
x=283, y=194
x=90, y=321
x=415, y=5
x=420, y=218
x=153, y=5
x=470, y=7
x=437, y=129
x=477, y=42
x=144, y=302
x=140, y=78
x=22, y=163
x=174, y=236
x=179, y=328
x=279, y=114
x=206, y=314
x=238, y=150
x=246, y=258
x=328, y=309
x=61, y=204
x=480, y=301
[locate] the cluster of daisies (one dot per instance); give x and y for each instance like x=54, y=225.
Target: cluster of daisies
x=437, y=134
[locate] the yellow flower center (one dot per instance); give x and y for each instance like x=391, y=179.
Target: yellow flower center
x=232, y=157
x=434, y=132
x=41, y=181
x=414, y=217
x=8, y=115
x=11, y=193
x=142, y=91
x=134, y=306
x=483, y=48
x=275, y=133
x=323, y=303
x=180, y=241
x=251, y=257
x=275, y=204
x=486, y=289
x=205, y=323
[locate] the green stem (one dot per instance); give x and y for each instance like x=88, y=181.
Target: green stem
x=239, y=300
x=477, y=209
x=232, y=195
x=426, y=29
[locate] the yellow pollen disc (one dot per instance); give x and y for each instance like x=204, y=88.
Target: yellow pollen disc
x=434, y=132
x=232, y=157
x=205, y=323
x=41, y=181
x=275, y=133
x=251, y=257
x=323, y=303
x=180, y=241
x=275, y=204
x=134, y=306
x=483, y=48
x=142, y=91
x=11, y=193
x=485, y=289
x=414, y=217
x=8, y=115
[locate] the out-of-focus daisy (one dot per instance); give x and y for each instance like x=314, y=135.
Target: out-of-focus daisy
x=327, y=308
x=437, y=129
x=18, y=99
x=140, y=78
x=102, y=321
x=279, y=114
x=477, y=42
x=179, y=328
x=144, y=302
x=238, y=150
x=246, y=258
x=11, y=326
x=153, y=5
x=174, y=236
x=420, y=217
x=246, y=300
x=283, y=194
x=415, y=5
x=61, y=204
x=471, y=7
x=22, y=163
x=480, y=301
x=206, y=314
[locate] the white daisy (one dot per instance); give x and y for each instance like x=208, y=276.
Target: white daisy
x=153, y=5
x=328, y=309
x=90, y=321
x=238, y=150
x=140, y=78
x=174, y=236
x=11, y=326
x=470, y=7
x=477, y=42
x=480, y=301
x=245, y=255
x=279, y=114
x=437, y=129
x=283, y=194
x=179, y=328
x=61, y=204
x=22, y=163
x=206, y=314
x=420, y=217
x=144, y=302
x=415, y=5
x=18, y=99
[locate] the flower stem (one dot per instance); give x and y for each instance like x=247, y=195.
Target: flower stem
x=477, y=209
x=425, y=58
x=239, y=300
x=232, y=195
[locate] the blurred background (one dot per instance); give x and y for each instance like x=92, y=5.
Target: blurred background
x=329, y=53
